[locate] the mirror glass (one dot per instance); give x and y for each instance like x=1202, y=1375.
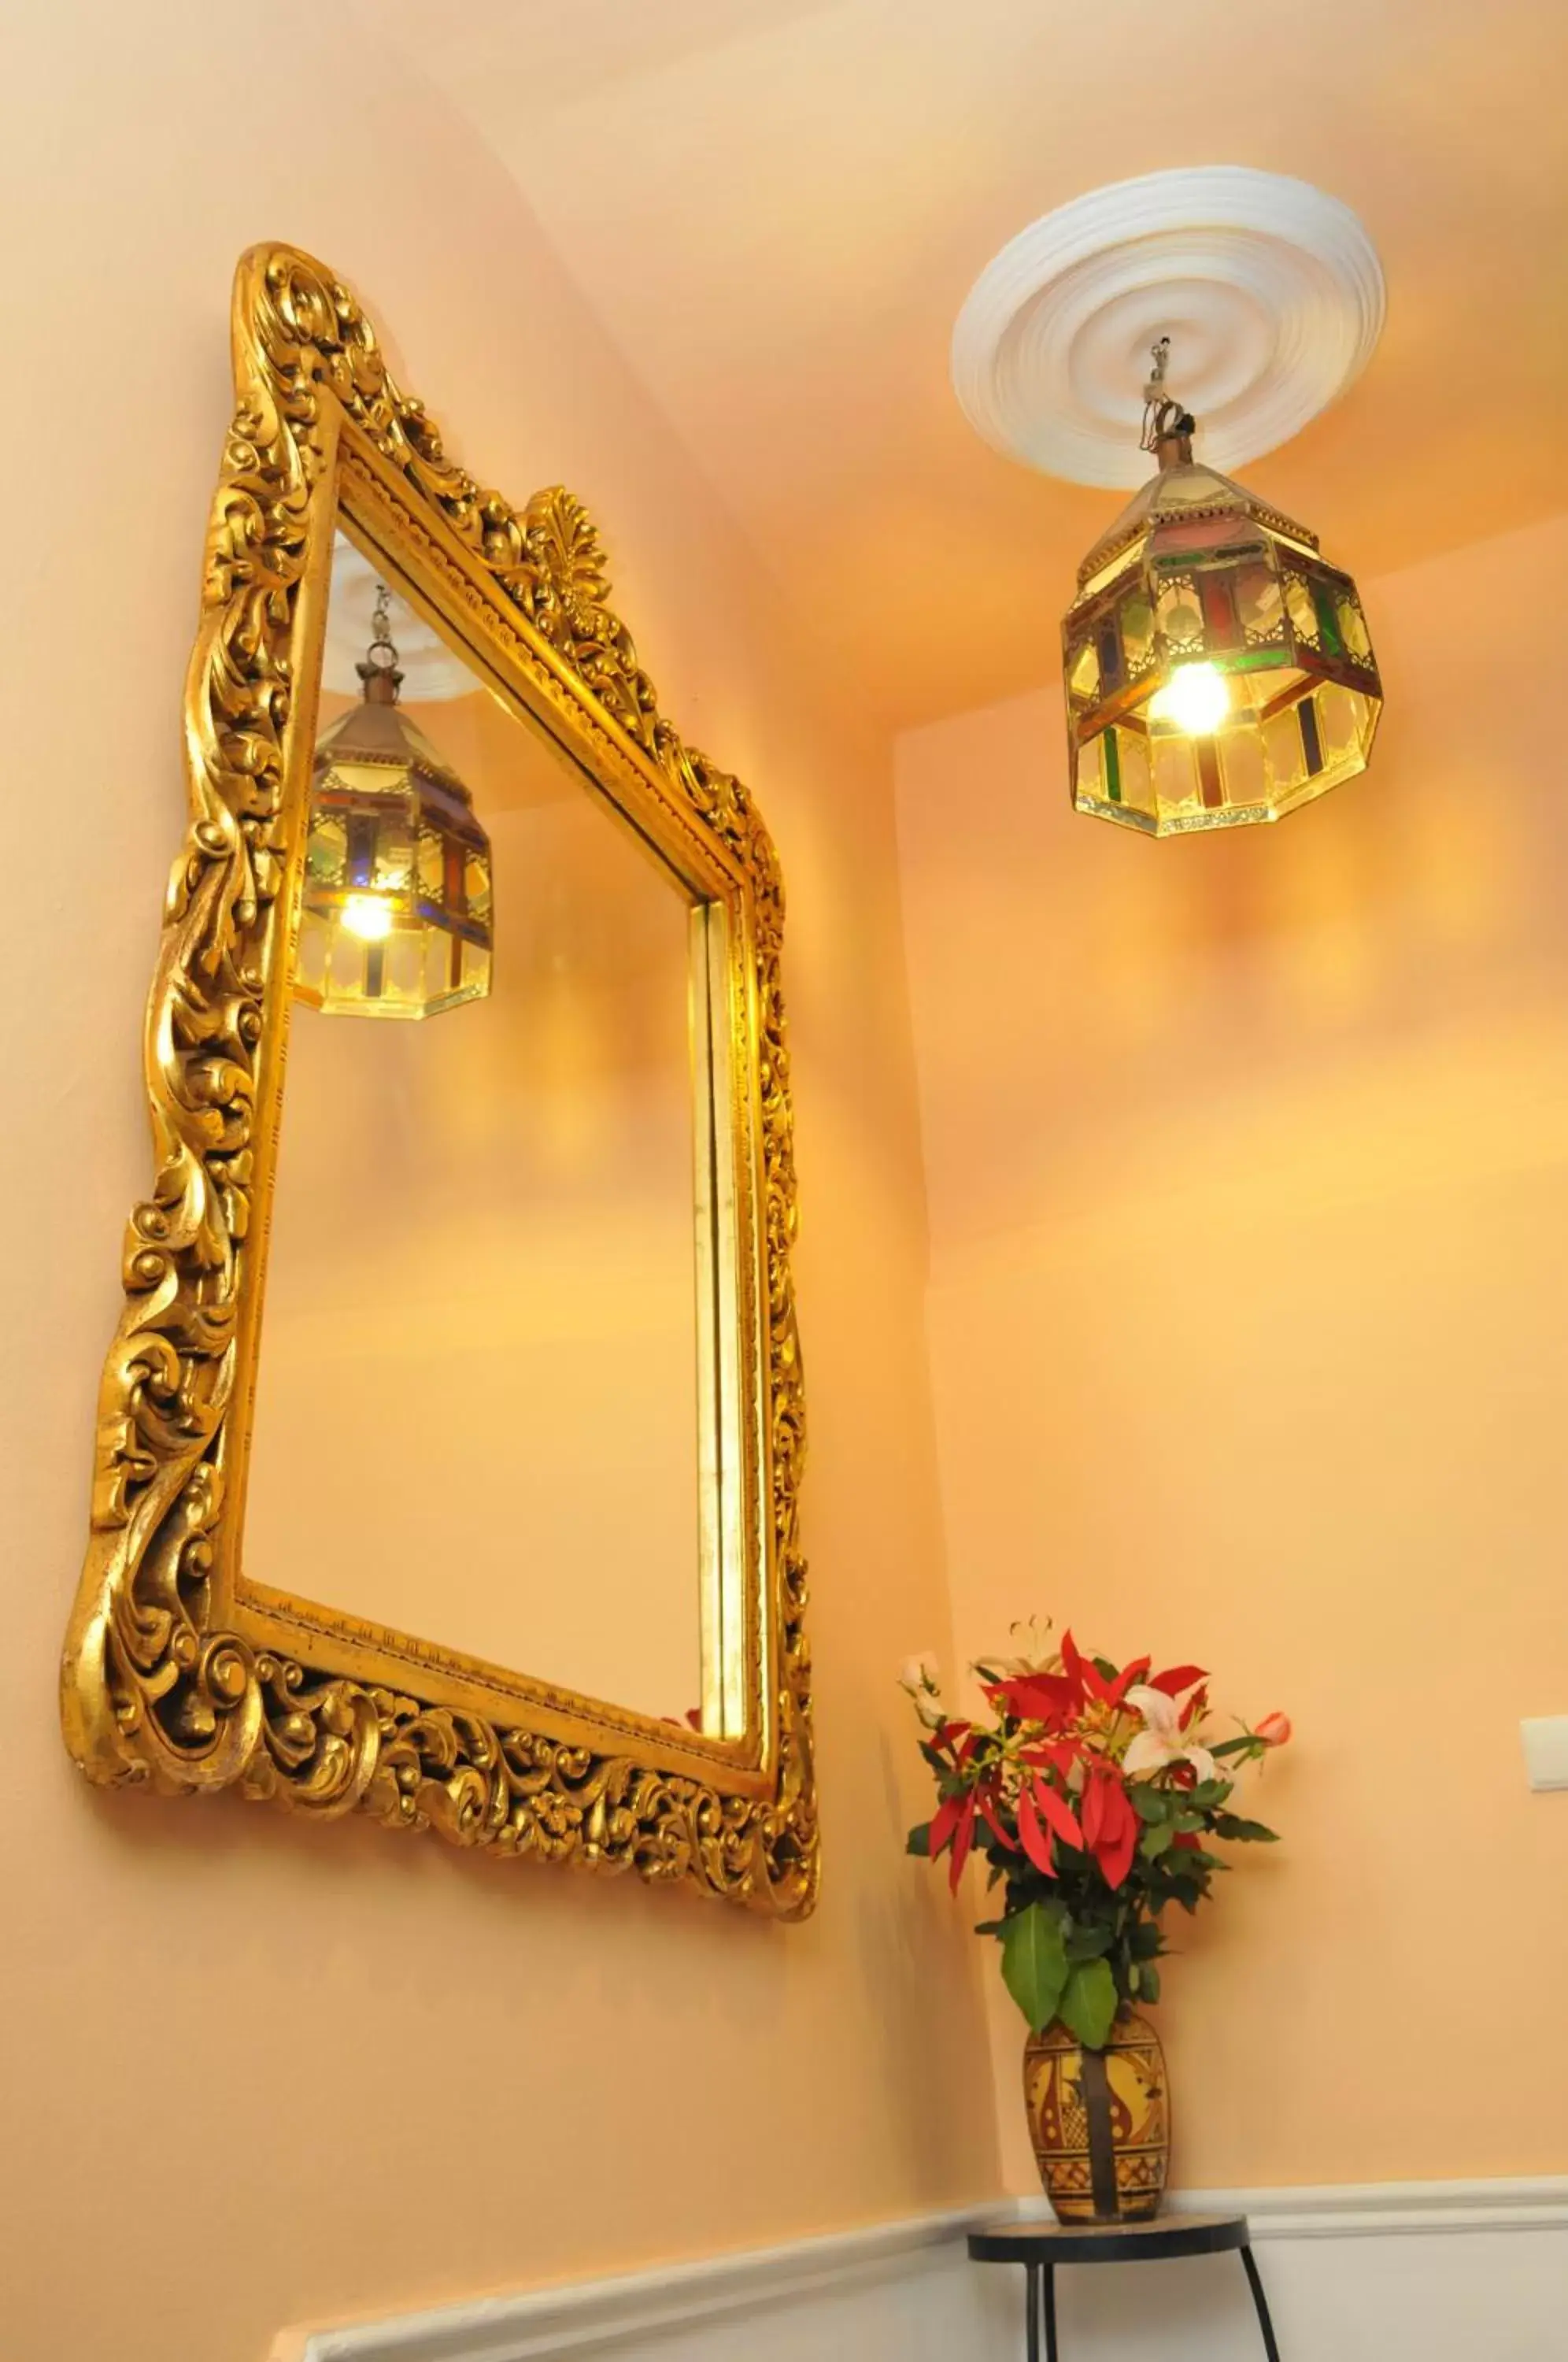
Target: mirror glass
x=487, y=1257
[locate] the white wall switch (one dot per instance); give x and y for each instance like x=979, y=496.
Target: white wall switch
x=1545, y=1740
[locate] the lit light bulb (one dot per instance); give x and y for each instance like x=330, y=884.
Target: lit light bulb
x=368, y=915
x=1194, y=699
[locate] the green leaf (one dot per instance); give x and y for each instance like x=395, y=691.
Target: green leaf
x=1153, y=1804
x=1203, y=1794
x=1089, y=1942
x=1034, y=1964
x=1149, y=1982
x=1226, y=1825
x=1157, y=1841
x=919, y=1841
x=1233, y=1746
x=1087, y=2004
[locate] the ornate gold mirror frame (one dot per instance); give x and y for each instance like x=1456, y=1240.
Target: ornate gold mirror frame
x=177, y=1672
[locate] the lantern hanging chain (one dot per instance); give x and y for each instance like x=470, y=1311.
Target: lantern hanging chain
x=382, y=650
x=1161, y=416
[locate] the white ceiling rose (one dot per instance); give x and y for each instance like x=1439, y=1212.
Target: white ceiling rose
x=1269, y=290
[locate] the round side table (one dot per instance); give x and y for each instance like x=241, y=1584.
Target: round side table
x=1041, y=2246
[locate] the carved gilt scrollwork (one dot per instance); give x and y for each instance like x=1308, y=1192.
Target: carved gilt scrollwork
x=154, y=1690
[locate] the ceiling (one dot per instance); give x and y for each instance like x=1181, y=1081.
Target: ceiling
x=777, y=206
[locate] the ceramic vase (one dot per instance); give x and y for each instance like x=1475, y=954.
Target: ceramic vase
x=1100, y=2121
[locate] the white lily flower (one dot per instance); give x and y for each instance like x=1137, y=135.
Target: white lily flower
x=919, y=1680
x=1162, y=1742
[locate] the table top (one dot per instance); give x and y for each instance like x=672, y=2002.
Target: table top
x=1108, y=2243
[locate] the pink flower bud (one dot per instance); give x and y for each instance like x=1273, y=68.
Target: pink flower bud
x=1274, y=1730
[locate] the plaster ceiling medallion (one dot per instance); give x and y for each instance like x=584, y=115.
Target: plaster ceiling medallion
x=1270, y=292
x=430, y=671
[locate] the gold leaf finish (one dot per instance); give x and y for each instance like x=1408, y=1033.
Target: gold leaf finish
x=165, y=1678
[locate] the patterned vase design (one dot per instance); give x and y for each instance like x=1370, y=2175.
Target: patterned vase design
x=1100, y=2121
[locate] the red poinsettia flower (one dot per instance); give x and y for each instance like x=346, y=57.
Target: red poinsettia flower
x=1052, y=1699
x=1110, y=1823
x=1092, y=1682
x=1043, y=1812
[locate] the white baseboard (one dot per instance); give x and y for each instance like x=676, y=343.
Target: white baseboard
x=1388, y=2272
x=901, y=2291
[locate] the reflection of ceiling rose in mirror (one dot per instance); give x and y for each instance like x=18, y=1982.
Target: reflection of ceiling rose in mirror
x=1270, y=293
x=430, y=671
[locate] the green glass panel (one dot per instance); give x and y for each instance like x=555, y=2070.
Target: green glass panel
x=1328, y=620
x=1112, y=769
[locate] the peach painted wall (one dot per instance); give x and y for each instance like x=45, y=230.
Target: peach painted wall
x=1248, y=1161
x=258, y=2073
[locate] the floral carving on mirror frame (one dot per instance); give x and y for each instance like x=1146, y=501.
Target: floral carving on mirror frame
x=152, y=1691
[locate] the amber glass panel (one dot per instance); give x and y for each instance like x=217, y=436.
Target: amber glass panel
x=1175, y=773
x=1241, y=760
x=1137, y=633
x=1299, y=607
x=1340, y=713
x=1352, y=629
x=1283, y=749
x=1137, y=788
x=1083, y=672
x=1258, y=600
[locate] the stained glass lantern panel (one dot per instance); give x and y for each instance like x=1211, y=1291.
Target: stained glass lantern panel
x=1219, y=670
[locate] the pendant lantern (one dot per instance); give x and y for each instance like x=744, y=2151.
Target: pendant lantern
x=1219, y=669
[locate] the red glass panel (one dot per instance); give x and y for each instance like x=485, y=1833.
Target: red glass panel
x=1209, y=773
x=1219, y=610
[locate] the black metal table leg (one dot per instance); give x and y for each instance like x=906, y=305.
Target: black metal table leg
x=1249, y=2266
x=1048, y=2291
x=1032, y=2311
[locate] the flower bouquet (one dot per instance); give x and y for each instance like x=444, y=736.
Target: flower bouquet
x=1096, y=1794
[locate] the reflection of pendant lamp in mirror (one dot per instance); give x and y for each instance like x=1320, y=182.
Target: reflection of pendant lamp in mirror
x=1219, y=669
x=395, y=918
